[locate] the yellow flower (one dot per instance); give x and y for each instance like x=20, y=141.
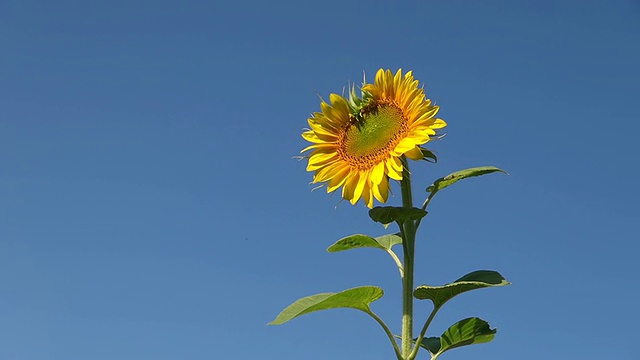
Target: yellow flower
x=357, y=143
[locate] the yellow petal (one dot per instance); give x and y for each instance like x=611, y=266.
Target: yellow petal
x=320, y=147
x=404, y=145
x=379, y=80
x=320, y=157
x=338, y=179
x=327, y=172
x=378, y=173
x=431, y=112
x=316, y=164
x=350, y=186
x=357, y=193
x=381, y=191
x=397, y=79
x=394, y=168
x=340, y=108
x=414, y=154
x=322, y=128
x=366, y=195
x=311, y=136
x=438, y=124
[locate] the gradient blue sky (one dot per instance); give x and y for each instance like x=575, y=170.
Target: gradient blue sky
x=150, y=207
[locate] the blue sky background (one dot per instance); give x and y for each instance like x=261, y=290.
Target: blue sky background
x=150, y=207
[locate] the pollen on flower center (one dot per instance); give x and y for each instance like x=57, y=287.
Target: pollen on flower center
x=366, y=142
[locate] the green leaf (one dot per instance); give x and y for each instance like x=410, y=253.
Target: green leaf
x=353, y=242
x=388, y=241
x=428, y=155
x=432, y=344
x=475, y=280
x=388, y=214
x=357, y=298
x=465, y=332
x=385, y=242
x=462, y=174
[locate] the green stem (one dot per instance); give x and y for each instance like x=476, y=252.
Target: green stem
x=388, y=332
x=408, y=243
x=424, y=206
x=423, y=332
x=398, y=263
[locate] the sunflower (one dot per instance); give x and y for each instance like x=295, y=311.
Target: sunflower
x=357, y=143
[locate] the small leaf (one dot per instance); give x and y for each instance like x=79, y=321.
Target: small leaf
x=462, y=174
x=428, y=155
x=465, y=332
x=357, y=298
x=475, y=280
x=388, y=214
x=353, y=242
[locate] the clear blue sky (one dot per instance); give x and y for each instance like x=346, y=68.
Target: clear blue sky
x=150, y=207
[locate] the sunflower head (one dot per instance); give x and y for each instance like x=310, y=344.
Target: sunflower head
x=357, y=143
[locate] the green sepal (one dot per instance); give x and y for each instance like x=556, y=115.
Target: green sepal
x=388, y=214
x=462, y=174
x=354, y=101
x=465, y=332
x=384, y=242
x=357, y=298
x=474, y=280
x=428, y=155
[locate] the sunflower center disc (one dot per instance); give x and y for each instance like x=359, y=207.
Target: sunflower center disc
x=367, y=141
